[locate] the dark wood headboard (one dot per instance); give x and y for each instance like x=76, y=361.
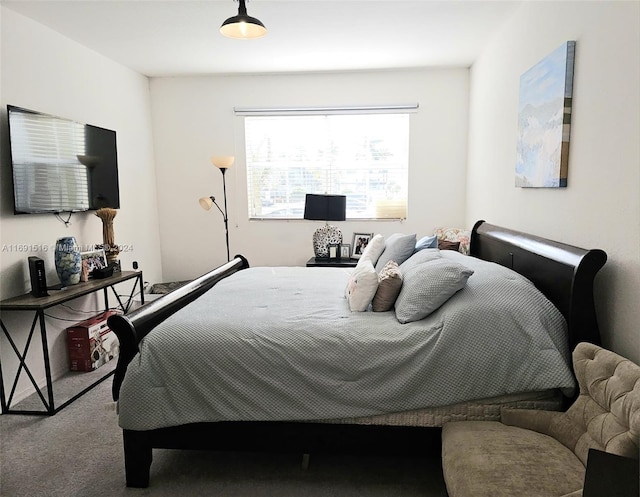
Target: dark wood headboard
x=564, y=273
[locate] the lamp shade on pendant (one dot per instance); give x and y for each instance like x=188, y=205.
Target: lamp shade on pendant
x=325, y=208
x=243, y=26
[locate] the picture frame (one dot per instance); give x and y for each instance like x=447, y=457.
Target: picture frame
x=94, y=259
x=360, y=242
x=345, y=251
x=546, y=92
x=334, y=250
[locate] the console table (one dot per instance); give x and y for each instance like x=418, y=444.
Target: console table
x=38, y=305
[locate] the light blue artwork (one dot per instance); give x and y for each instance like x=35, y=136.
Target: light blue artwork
x=544, y=120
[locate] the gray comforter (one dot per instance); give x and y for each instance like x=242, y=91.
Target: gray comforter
x=279, y=343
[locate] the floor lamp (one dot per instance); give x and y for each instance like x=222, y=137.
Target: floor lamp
x=223, y=163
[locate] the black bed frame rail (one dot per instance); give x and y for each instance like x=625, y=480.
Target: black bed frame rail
x=133, y=327
x=565, y=277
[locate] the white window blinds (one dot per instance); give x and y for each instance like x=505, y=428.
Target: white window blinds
x=363, y=156
x=44, y=153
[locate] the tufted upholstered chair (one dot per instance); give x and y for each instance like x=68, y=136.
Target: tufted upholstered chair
x=544, y=453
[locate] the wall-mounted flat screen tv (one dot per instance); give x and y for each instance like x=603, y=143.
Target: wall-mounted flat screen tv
x=60, y=165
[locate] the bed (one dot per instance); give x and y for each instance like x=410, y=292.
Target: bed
x=274, y=376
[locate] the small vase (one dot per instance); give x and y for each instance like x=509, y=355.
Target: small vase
x=68, y=261
x=324, y=236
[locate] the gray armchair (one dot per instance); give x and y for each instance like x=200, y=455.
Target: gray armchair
x=544, y=453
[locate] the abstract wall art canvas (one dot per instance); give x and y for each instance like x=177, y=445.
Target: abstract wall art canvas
x=544, y=120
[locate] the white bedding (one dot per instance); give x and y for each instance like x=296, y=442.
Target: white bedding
x=281, y=344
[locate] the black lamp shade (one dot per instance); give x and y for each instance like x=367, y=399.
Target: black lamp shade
x=325, y=207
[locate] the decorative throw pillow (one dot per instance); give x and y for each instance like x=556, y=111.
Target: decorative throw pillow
x=447, y=245
x=455, y=235
x=424, y=255
x=362, y=287
x=426, y=242
x=397, y=247
x=372, y=251
x=389, y=285
x=427, y=286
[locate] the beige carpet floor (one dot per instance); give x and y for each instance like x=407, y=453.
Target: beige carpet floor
x=78, y=453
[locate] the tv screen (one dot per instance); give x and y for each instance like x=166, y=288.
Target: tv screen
x=60, y=165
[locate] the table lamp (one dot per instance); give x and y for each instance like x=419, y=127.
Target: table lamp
x=325, y=208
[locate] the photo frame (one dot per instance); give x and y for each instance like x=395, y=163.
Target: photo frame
x=345, y=251
x=334, y=250
x=360, y=242
x=94, y=259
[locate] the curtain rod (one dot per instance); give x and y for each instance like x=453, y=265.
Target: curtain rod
x=353, y=109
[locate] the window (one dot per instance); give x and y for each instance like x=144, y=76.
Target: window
x=362, y=156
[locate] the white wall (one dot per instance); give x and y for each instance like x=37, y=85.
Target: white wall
x=193, y=119
x=600, y=208
x=47, y=72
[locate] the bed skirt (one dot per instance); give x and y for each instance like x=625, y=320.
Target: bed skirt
x=476, y=410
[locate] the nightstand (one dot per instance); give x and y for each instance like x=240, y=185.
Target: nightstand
x=313, y=262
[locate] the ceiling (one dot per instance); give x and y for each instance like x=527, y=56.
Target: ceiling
x=181, y=37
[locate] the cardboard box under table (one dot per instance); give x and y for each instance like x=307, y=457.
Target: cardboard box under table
x=91, y=343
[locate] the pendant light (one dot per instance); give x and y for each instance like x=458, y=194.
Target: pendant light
x=242, y=26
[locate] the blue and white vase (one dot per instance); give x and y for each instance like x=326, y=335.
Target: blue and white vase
x=68, y=261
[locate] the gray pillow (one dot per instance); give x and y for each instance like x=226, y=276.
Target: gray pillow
x=427, y=286
x=397, y=247
x=424, y=255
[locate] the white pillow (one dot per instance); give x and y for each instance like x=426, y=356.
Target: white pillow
x=362, y=286
x=373, y=250
x=427, y=286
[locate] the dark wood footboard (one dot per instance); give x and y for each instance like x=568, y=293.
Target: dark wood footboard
x=132, y=328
